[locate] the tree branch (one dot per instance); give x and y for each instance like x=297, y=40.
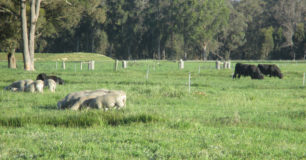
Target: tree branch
x=68, y=2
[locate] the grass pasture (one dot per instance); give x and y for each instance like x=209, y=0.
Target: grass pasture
x=220, y=118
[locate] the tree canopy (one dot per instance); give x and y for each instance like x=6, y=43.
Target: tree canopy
x=163, y=29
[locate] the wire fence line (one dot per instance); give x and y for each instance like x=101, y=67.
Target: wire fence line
x=112, y=64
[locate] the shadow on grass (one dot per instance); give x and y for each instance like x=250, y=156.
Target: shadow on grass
x=80, y=119
x=48, y=107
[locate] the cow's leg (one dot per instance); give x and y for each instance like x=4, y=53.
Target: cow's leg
x=234, y=75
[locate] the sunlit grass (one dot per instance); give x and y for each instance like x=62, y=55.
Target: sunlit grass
x=220, y=118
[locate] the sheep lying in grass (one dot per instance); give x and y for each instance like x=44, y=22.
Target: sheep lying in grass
x=34, y=86
x=113, y=99
x=75, y=99
x=99, y=99
x=18, y=85
x=27, y=85
x=51, y=84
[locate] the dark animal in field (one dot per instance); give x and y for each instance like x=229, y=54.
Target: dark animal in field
x=247, y=70
x=271, y=70
x=43, y=77
x=254, y=72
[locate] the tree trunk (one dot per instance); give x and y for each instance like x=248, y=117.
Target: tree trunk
x=185, y=52
x=35, y=6
x=158, y=47
x=204, y=51
x=29, y=40
x=26, y=55
x=77, y=44
x=11, y=59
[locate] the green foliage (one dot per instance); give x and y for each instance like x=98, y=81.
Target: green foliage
x=267, y=42
x=171, y=29
x=10, y=33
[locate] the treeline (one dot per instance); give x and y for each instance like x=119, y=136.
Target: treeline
x=163, y=29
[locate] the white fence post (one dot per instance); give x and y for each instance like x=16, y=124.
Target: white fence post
x=224, y=64
x=218, y=64
x=81, y=65
x=147, y=75
x=116, y=65
x=64, y=65
x=304, y=79
x=199, y=69
x=181, y=64
x=124, y=64
x=189, y=77
x=229, y=64
x=91, y=65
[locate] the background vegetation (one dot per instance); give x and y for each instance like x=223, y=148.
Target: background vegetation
x=220, y=118
x=168, y=29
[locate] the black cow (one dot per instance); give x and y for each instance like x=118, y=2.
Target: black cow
x=247, y=70
x=254, y=72
x=271, y=70
x=43, y=76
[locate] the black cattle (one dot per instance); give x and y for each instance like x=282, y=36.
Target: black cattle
x=240, y=69
x=247, y=70
x=271, y=70
x=254, y=72
x=43, y=76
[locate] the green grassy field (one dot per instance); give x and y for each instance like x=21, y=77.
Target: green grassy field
x=220, y=118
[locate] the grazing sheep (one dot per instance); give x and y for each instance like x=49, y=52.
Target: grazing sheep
x=99, y=99
x=51, y=84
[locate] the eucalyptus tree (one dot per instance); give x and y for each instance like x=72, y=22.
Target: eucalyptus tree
x=57, y=25
x=116, y=17
x=288, y=14
x=253, y=10
x=267, y=42
x=9, y=29
x=29, y=36
x=212, y=17
x=185, y=18
x=233, y=35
